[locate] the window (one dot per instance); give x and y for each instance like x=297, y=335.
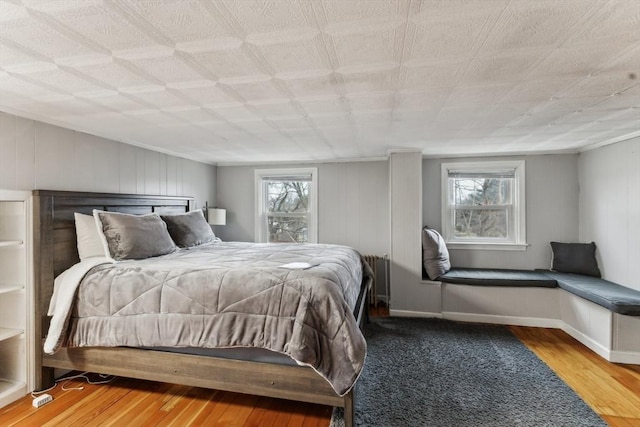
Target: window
x=286, y=201
x=483, y=205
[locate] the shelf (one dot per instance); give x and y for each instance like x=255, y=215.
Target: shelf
x=7, y=386
x=16, y=323
x=11, y=390
x=10, y=288
x=6, y=333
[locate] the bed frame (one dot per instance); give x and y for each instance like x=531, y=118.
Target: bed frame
x=55, y=250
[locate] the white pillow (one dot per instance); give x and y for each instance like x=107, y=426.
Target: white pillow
x=89, y=239
x=435, y=255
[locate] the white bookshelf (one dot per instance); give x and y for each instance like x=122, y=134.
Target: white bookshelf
x=16, y=307
x=6, y=333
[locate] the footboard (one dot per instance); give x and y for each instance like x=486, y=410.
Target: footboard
x=55, y=250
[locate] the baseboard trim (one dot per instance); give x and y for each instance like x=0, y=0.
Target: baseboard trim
x=592, y=344
x=503, y=320
x=625, y=357
x=409, y=313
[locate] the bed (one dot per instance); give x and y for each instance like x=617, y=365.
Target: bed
x=55, y=250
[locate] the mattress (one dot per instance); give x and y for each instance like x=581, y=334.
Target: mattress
x=230, y=295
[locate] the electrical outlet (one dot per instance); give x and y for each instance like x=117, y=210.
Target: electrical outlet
x=42, y=400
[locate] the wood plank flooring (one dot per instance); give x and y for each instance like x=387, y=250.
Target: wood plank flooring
x=612, y=390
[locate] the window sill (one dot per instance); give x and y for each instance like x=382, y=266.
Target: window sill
x=488, y=246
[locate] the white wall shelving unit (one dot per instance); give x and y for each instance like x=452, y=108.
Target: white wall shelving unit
x=16, y=306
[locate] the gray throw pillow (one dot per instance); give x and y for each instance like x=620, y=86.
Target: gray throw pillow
x=577, y=258
x=190, y=229
x=435, y=255
x=133, y=236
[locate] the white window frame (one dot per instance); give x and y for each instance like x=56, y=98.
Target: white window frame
x=261, y=232
x=519, y=240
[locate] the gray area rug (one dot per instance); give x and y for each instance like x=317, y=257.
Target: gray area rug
x=431, y=372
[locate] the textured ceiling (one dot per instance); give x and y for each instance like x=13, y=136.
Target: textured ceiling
x=230, y=81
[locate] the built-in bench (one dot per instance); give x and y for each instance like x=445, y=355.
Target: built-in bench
x=603, y=315
x=498, y=277
x=612, y=296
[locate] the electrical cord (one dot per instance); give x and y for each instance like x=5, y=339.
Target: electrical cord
x=83, y=375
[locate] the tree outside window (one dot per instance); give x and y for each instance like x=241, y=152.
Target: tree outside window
x=481, y=207
x=286, y=205
x=287, y=211
x=484, y=204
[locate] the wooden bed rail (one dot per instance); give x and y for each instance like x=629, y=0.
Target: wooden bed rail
x=55, y=250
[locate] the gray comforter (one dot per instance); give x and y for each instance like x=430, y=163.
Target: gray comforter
x=231, y=295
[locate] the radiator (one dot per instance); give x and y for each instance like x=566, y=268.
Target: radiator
x=373, y=261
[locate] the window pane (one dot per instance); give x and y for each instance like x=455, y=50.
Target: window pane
x=292, y=229
x=286, y=209
x=487, y=223
x=287, y=196
x=483, y=202
x=482, y=191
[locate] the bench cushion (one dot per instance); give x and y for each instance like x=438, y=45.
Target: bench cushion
x=498, y=277
x=616, y=298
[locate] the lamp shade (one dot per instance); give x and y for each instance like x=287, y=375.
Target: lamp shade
x=217, y=216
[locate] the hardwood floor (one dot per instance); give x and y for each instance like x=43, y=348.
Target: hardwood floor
x=612, y=390
x=127, y=402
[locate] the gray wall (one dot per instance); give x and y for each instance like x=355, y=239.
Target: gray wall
x=409, y=294
x=551, y=210
x=353, y=203
x=36, y=155
x=610, y=209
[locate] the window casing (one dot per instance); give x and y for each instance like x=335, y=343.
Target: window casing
x=483, y=205
x=286, y=205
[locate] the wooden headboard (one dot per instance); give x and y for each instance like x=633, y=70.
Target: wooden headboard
x=54, y=235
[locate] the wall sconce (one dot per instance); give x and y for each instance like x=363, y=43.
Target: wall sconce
x=216, y=216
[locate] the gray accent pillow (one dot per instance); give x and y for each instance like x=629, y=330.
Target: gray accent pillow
x=577, y=258
x=189, y=229
x=133, y=236
x=435, y=256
